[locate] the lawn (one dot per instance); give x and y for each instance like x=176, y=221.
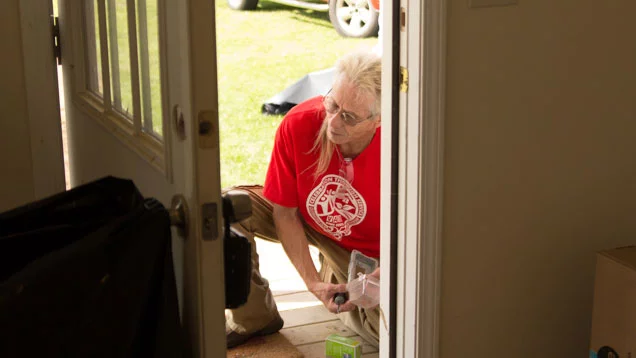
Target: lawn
x=260, y=53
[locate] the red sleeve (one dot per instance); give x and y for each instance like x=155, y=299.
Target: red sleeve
x=280, y=181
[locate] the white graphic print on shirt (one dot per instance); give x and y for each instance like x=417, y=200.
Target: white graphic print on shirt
x=336, y=206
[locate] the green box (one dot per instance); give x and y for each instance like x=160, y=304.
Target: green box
x=342, y=347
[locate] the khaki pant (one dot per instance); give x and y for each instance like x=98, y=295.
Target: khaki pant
x=260, y=308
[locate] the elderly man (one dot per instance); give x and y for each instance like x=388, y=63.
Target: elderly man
x=323, y=189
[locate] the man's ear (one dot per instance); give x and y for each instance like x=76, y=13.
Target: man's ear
x=378, y=122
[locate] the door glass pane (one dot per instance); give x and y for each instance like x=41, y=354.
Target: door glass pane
x=131, y=88
x=150, y=75
x=93, y=49
x=119, y=56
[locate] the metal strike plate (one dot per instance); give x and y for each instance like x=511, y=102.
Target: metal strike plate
x=209, y=222
x=208, y=129
x=404, y=80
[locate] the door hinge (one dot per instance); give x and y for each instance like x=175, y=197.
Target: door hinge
x=404, y=79
x=57, y=44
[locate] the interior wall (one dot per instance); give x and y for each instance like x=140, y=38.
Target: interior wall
x=16, y=182
x=540, y=171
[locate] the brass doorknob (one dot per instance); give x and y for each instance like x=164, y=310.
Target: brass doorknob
x=179, y=214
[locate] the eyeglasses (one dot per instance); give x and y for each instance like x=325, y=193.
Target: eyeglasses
x=333, y=108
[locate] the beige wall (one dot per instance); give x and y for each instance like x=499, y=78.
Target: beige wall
x=540, y=171
x=16, y=181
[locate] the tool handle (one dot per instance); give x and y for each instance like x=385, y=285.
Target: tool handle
x=340, y=298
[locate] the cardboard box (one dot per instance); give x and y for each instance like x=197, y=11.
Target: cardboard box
x=614, y=312
x=342, y=347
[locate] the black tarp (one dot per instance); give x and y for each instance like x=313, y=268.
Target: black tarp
x=310, y=85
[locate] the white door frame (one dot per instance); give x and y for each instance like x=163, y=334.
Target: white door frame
x=412, y=222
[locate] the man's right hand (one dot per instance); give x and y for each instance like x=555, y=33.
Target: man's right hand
x=325, y=292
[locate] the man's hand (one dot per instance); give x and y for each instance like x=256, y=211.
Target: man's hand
x=325, y=292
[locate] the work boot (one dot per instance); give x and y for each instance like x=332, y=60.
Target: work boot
x=234, y=338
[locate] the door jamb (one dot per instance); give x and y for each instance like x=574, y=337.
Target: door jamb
x=427, y=270
x=414, y=251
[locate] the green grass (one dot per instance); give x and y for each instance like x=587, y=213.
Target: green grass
x=123, y=61
x=260, y=53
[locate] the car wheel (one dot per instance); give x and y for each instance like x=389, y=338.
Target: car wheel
x=242, y=4
x=353, y=18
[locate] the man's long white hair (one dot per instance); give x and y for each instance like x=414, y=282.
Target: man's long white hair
x=363, y=69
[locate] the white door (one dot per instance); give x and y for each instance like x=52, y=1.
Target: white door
x=141, y=102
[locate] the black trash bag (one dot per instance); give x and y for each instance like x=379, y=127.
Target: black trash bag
x=89, y=273
x=33, y=230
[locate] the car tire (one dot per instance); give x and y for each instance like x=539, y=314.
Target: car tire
x=242, y=4
x=354, y=18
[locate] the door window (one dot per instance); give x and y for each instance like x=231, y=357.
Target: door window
x=123, y=69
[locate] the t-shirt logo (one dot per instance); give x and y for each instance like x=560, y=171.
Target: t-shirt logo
x=336, y=206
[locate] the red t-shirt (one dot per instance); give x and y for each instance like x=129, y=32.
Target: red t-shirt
x=348, y=213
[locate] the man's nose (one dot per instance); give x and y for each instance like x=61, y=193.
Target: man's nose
x=336, y=120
